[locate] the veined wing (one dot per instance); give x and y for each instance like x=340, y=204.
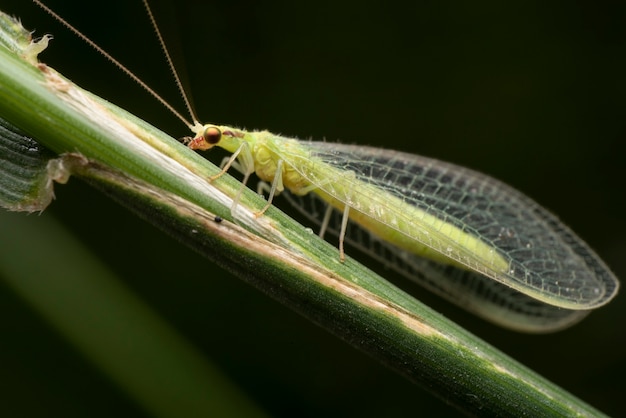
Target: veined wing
x=546, y=260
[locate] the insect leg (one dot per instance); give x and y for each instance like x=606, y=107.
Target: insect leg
x=277, y=184
x=242, y=161
x=326, y=220
x=245, y=165
x=342, y=232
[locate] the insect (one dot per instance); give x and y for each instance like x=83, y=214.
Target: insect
x=460, y=233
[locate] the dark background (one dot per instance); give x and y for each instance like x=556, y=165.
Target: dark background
x=532, y=93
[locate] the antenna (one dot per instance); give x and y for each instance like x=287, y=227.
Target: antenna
x=170, y=63
x=191, y=125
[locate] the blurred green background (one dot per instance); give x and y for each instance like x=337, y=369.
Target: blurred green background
x=532, y=93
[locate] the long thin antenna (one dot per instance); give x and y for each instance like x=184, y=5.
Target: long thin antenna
x=170, y=63
x=129, y=73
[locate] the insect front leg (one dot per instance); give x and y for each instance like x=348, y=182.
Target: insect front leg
x=242, y=161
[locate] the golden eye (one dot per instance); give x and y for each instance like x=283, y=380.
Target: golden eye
x=212, y=135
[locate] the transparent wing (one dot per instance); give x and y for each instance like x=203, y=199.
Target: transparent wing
x=546, y=260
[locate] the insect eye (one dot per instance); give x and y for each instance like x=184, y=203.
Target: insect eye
x=212, y=135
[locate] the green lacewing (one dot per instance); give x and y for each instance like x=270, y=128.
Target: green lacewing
x=462, y=234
